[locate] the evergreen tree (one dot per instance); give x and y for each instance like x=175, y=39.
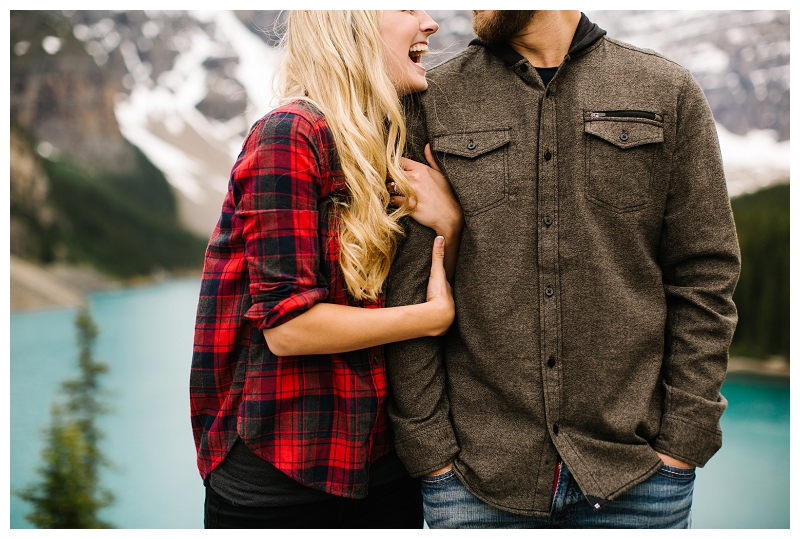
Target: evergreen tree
x=762, y=295
x=69, y=494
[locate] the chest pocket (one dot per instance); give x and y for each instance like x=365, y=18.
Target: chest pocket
x=476, y=164
x=621, y=149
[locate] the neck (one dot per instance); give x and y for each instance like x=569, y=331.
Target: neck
x=546, y=39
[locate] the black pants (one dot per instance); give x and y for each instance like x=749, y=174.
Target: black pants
x=394, y=505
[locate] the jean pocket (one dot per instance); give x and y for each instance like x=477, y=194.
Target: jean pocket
x=679, y=474
x=439, y=479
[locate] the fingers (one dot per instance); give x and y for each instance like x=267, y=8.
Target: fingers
x=437, y=258
x=395, y=198
x=429, y=158
x=409, y=164
x=440, y=294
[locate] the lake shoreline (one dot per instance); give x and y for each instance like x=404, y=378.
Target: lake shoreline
x=774, y=366
x=37, y=288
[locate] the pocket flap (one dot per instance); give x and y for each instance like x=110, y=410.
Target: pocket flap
x=473, y=144
x=625, y=133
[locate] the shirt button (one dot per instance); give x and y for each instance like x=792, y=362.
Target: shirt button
x=548, y=221
x=555, y=429
x=548, y=291
x=547, y=155
x=524, y=68
x=376, y=360
x=623, y=137
x=551, y=362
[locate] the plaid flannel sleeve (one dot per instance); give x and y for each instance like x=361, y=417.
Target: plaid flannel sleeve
x=278, y=180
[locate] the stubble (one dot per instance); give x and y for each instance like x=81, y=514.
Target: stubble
x=500, y=25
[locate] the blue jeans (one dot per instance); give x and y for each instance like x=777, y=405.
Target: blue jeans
x=662, y=501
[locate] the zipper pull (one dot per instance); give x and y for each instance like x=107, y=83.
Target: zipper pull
x=597, y=114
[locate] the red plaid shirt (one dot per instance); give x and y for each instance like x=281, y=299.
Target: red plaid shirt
x=320, y=419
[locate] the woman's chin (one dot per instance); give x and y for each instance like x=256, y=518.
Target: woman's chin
x=416, y=86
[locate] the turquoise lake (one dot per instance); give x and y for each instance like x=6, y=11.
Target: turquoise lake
x=146, y=338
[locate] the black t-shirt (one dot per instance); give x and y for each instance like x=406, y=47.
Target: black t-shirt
x=246, y=479
x=546, y=73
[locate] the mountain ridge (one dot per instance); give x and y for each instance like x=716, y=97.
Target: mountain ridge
x=184, y=86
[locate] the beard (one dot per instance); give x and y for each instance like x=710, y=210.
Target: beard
x=500, y=25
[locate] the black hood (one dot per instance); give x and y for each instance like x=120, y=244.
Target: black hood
x=586, y=34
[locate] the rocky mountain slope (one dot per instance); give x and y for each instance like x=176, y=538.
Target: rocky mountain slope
x=80, y=191
x=183, y=87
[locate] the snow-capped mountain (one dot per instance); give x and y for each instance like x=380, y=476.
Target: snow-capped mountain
x=189, y=84
x=219, y=60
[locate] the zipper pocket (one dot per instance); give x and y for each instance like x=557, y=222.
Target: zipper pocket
x=624, y=114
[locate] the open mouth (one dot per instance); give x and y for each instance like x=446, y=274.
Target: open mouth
x=416, y=51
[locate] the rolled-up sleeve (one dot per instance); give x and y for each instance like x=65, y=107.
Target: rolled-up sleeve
x=277, y=177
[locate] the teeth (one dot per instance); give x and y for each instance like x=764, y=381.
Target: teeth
x=419, y=47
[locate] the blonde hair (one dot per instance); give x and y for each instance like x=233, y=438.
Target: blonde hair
x=335, y=60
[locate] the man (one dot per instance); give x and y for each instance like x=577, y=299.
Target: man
x=579, y=385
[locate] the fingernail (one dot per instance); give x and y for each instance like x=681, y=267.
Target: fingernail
x=439, y=241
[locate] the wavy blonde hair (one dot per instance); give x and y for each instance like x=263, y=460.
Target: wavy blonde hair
x=335, y=60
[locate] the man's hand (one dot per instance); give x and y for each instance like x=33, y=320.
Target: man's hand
x=440, y=471
x=673, y=462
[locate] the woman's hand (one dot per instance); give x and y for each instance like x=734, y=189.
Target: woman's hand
x=440, y=294
x=435, y=204
x=326, y=328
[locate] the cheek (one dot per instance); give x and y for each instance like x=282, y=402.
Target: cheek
x=395, y=63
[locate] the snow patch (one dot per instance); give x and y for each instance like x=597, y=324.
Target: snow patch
x=168, y=106
x=257, y=62
x=753, y=161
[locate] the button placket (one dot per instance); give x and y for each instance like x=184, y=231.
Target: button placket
x=548, y=255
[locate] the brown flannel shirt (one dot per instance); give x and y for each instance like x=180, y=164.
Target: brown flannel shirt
x=594, y=282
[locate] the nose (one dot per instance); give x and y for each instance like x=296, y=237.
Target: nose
x=427, y=25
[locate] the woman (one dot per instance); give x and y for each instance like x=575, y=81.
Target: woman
x=288, y=383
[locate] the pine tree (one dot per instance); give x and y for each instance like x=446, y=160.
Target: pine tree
x=69, y=494
x=762, y=295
